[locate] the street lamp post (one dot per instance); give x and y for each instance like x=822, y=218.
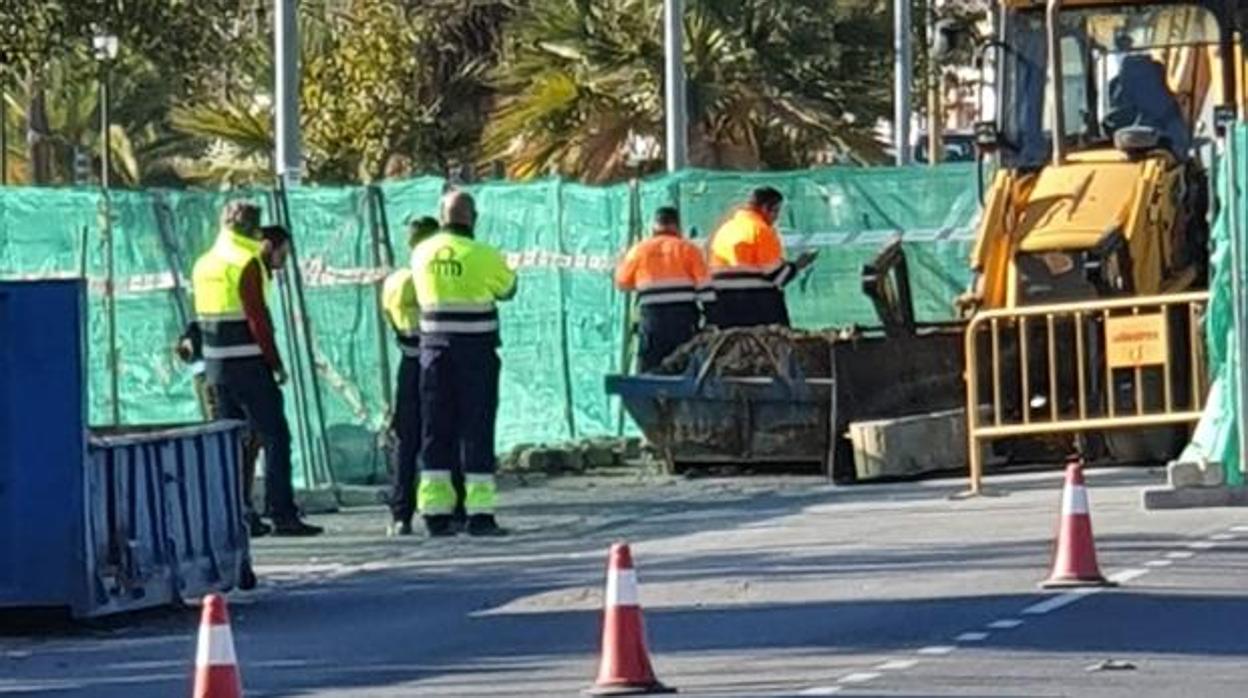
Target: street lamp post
x=105, y=49
x=4, y=119
x=902, y=62
x=674, y=74
x=286, y=89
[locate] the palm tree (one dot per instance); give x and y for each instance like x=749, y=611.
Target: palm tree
x=62, y=107
x=390, y=87
x=772, y=83
x=236, y=142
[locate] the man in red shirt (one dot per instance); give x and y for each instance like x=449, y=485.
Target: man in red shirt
x=241, y=361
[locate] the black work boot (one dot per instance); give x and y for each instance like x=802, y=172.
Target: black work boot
x=439, y=526
x=484, y=525
x=247, y=577
x=256, y=527
x=295, y=528
x=459, y=520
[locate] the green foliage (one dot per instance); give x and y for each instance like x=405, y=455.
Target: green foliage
x=189, y=39
x=403, y=87
x=390, y=87
x=771, y=84
x=169, y=50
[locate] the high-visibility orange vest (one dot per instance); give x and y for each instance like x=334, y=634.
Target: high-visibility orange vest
x=665, y=269
x=747, y=254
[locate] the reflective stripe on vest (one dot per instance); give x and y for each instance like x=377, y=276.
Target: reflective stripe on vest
x=459, y=319
x=242, y=351
x=667, y=293
x=743, y=278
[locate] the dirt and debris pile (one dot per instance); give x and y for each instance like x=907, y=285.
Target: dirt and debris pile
x=757, y=351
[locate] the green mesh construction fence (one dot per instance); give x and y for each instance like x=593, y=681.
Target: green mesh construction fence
x=567, y=328
x=1215, y=439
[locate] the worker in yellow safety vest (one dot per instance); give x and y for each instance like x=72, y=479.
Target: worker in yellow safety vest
x=459, y=280
x=398, y=300
x=241, y=362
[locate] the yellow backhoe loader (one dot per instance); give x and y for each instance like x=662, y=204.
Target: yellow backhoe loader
x=1093, y=237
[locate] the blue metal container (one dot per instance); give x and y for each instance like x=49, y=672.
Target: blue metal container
x=109, y=521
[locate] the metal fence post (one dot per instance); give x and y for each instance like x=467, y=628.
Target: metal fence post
x=564, y=344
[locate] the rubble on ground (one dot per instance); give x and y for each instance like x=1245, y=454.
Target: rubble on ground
x=574, y=457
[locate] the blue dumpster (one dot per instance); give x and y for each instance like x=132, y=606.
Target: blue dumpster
x=783, y=415
x=109, y=520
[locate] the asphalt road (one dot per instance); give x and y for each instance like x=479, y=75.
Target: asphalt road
x=751, y=587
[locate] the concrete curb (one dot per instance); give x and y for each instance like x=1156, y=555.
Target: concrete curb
x=1163, y=498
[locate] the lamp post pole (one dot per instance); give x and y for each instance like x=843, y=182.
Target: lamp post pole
x=286, y=59
x=4, y=119
x=902, y=64
x=106, y=47
x=674, y=84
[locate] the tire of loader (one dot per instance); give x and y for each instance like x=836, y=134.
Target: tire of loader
x=1158, y=444
x=1033, y=450
x=1145, y=446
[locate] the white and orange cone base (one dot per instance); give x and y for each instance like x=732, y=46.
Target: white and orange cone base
x=1074, y=554
x=216, y=667
x=625, y=668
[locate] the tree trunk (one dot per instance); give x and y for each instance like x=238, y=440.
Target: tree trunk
x=38, y=131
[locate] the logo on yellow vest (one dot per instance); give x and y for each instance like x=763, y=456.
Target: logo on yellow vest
x=445, y=264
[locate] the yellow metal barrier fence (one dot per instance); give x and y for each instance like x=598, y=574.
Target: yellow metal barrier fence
x=1081, y=367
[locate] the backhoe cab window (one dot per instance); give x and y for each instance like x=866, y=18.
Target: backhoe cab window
x=1150, y=65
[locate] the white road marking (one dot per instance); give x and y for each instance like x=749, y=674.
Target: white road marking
x=1159, y=563
x=898, y=665
x=972, y=637
x=1050, y=605
x=821, y=691
x=1239, y=529
x=1180, y=554
x=1005, y=624
x=860, y=677
x=1202, y=545
x=1222, y=536
x=936, y=650
x=1127, y=575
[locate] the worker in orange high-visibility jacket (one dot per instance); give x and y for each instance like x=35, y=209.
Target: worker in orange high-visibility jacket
x=672, y=283
x=748, y=268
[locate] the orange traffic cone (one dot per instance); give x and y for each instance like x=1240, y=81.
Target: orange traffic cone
x=1074, y=556
x=625, y=669
x=216, y=669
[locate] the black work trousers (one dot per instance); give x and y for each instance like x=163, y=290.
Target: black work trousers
x=663, y=328
x=246, y=390
x=406, y=429
x=406, y=426
x=749, y=308
x=459, y=405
